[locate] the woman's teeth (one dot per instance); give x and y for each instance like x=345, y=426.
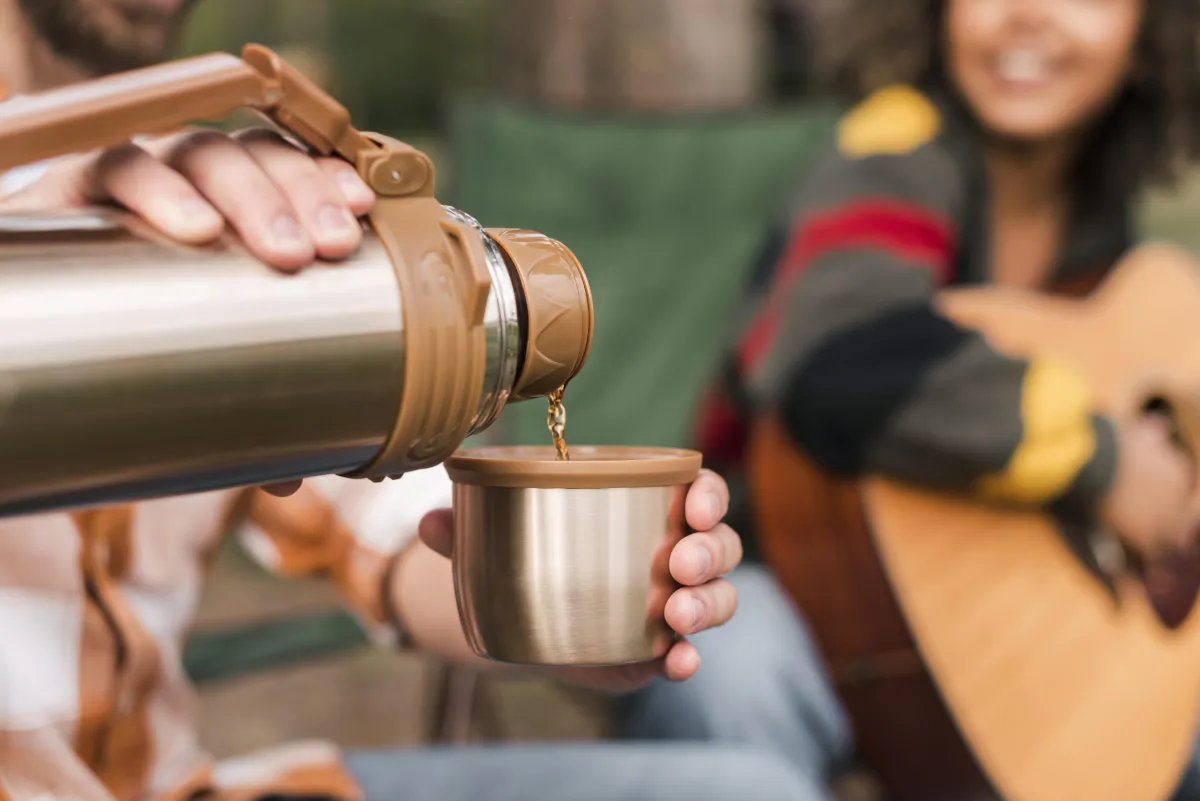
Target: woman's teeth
x=1022, y=66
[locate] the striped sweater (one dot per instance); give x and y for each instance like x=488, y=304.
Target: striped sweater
x=844, y=346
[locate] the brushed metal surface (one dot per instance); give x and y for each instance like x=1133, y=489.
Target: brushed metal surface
x=566, y=577
x=502, y=329
x=132, y=368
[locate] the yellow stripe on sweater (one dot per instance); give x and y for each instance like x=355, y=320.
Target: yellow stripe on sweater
x=1057, y=438
x=893, y=121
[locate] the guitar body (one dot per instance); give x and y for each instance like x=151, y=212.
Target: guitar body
x=968, y=641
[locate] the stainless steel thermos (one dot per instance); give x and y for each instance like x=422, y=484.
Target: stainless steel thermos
x=132, y=367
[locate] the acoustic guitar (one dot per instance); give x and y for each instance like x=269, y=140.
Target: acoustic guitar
x=979, y=651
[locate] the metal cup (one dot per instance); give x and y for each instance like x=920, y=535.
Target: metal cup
x=561, y=563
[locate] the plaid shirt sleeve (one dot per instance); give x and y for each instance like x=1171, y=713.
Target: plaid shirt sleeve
x=350, y=531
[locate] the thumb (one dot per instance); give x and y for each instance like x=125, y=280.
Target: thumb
x=1187, y=529
x=437, y=531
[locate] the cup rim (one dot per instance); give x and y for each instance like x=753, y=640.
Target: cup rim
x=590, y=467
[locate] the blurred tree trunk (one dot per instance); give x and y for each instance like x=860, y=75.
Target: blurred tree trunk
x=633, y=54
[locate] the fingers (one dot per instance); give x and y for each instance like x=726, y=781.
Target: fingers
x=131, y=177
x=233, y=182
x=707, y=501
x=1155, y=423
x=287, y=207
x=357, y=194
x=694, y=609
x=1187, y=528
x=313, y=192
x=705, y=555
x=681, y=662
x=436, y=530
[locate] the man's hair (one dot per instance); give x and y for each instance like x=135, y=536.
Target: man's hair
x=1148, y=136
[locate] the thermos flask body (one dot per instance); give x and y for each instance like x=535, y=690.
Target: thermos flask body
x=131, y=367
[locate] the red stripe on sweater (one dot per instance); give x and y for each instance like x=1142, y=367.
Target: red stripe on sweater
x=900, y=230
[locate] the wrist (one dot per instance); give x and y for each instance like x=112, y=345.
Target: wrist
x=422, y=599
x=389, y=601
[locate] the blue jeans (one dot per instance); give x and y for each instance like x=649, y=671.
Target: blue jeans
x=761, y=684
x=730, y=768
x=583, y=772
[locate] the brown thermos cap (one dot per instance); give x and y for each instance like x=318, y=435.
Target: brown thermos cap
x=559, y=312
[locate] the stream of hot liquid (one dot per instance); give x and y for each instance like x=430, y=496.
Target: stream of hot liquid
x=556, y=421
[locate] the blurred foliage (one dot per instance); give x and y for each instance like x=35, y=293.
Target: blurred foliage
x=394, y=63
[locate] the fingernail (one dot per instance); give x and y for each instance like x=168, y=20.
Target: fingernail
x=335, y=220
x=287, y=234
x=713, y=508
x=353, y=186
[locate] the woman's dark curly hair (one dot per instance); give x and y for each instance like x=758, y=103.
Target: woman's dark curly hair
x=1151, y=132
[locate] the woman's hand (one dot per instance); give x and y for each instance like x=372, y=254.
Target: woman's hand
x=698, y=562
x=1149, y=504
x=288, y=208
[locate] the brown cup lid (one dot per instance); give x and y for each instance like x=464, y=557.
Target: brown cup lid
x=558, y=305
x=589, y=467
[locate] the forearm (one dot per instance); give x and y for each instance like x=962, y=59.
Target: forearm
x=422, y=595
x=912, y=396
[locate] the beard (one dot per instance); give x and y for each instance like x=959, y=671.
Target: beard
x=105, y=36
